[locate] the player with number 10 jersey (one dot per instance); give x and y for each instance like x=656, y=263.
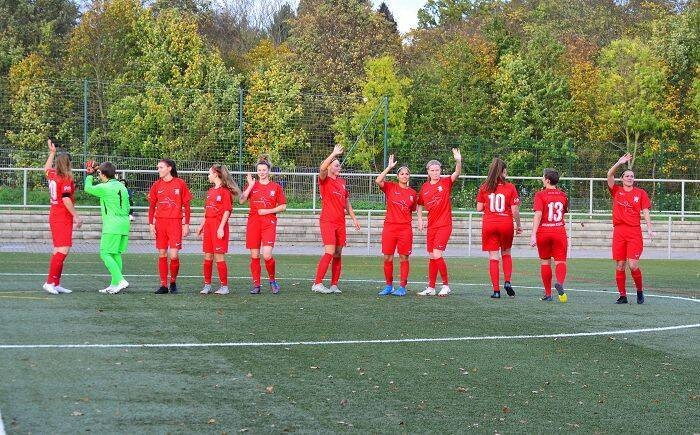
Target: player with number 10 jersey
x=499, y=201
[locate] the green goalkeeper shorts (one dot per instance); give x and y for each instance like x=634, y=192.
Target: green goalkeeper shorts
x=114, y=243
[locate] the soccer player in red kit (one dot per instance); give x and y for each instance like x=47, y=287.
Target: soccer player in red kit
x=499, y=201
x=215, y=228
x=62, y=215
x=629, y=203
x=335, y=201
x=434, y=195
x=169, y=203
x=397, y=234
x=549, y=233
x=266, y=199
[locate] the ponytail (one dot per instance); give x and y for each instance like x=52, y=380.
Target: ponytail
x=171, y=163
x=495, y=174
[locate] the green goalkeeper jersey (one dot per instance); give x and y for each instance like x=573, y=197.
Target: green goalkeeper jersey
x=114, y=205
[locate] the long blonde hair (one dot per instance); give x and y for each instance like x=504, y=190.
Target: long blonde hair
x=227, y=180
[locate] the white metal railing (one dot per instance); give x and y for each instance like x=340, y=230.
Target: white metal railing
x=312, y=176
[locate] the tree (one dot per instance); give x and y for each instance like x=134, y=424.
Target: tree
x=386, y=12
x=442, y=13
x=365, y=138
x=333, y=40
x=633, y=89
x=281, y=24
x=273, y=107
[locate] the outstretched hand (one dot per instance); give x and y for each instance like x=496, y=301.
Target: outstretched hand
x=338, y=150
x=624, y=159
x=456, y=154
x=392, y=162
x=52, y=146
x=249, y=178
x=91, y=166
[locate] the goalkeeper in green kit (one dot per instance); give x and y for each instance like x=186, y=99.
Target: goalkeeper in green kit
x=114, y=206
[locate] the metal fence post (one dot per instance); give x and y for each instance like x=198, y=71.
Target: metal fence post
x=469, y=236
x=386, y=128
x=240, y=134
x=682, y=201
x=590, y=198
x=369, y=229
x=85, y=119
x=24, y=189
x=313, y=196
x=668, y=238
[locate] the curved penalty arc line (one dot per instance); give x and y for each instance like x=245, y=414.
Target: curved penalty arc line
x=350, y=342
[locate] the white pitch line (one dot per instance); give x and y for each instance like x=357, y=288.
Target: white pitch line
x=369, y=281
x=343, y=342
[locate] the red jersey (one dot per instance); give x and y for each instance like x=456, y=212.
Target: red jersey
x=217, y=202
x=553, y=203
x=59, y=188
x=334, y=194
x=628, y=206
x=167, y=200
x=400, y=203
x=497, y=204
x=436, y=199
x=264, y=196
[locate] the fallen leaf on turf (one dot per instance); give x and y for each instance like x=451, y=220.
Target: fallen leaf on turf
x=245, y=429
x=314, y=367
x=270, y=389
x=508, y=368
x=505, y=410
x=248, y=375
x=461, y=390
x=344, y=402
x=211, y=421
x=76, y=413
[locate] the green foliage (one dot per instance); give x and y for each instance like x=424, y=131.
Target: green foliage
x=365, y=141
x=273, y=108
x=632, y=86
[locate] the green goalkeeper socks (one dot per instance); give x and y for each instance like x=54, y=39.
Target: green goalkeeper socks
x=113, y=264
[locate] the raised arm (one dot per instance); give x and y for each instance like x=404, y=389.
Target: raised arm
x=381, y=177
x=52, y=153
x=244, y=195
x=611, y=172
x=323, y=169
x=458, y=164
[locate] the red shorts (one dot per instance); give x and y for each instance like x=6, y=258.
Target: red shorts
x=168, y=233
x=210, y=243
x=552, y=245
x=61, y=233
x=397, y=237
x=495, y=236
x=261, y=231
x=333, y=234
x=438, y=238
x=627, y=242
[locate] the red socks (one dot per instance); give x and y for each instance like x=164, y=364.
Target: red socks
x=404, y=273
x=207, y=270
x=560, y=272
x=546, y=273
x=637, y=277
x=442, y=268
x=56, y=268
x=174, y=269
x=432, y=273
x=223, y=272
x=620, y=278
x=507, y=266
x=322, y=267
x=493, y=272
x=163, y=270
x=270, y=267
x=255, y=270
x=336, y=267
x=389, y=271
